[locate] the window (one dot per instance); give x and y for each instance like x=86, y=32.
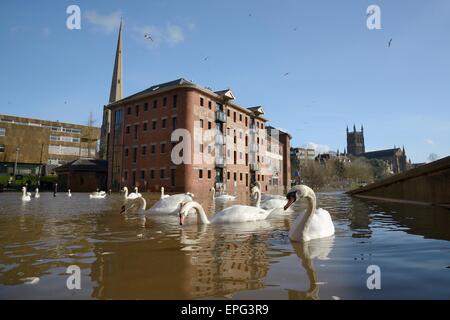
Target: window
x=201, y=123
x=127, y=129
x=145, y=126
x=164, y=101
x=163, y=148
x=172, y=177
x=235, y=176
x=2, y=148
x=155, y=104
x=175, y=101
x=201, y=147
x=228, y=175
x=209, y=149
x=209, y=174
x=125, y=175
x=240, y=155
x=137, y=110
x=201, y=102
x=164, y=121
x=126, y=152
x=228, y=112
x=144, y=150
x=142, y=174
x=246, y=141
x=240, y=176
x=235, y=157
x=134, y=154
x=240, y=117
x=246, y=121
x=146, y=106
x=129, y=110
x=154, y=124
x=209, y=125
x=136, y=131
x=153, y=148
x=161, y=174
x=152, y=174
x=2, y=132
x=200, y=174
x=234, y=116
x=209, y=105
x=174, y=123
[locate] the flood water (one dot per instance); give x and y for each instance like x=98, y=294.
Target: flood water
x=120, y=259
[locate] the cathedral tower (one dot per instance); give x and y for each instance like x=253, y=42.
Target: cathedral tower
x=355, y=141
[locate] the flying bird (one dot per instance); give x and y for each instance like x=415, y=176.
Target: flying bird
x=286, y=74
x=295, y=29
x=389, y=44
x=148, y=36
x=206, y=58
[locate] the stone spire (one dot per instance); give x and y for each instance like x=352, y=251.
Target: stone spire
x=116, y=84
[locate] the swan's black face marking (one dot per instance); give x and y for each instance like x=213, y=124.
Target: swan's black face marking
x=291, y=197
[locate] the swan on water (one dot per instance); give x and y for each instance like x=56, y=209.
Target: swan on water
x=36, y=193
x=162, y=194
x=222, y=197
x=168, y=205
x=133, y=195
x=26, y=196
x=311, y=224
x=98, y=195
x=274, y=205
x=68, y=193
x=233, y=214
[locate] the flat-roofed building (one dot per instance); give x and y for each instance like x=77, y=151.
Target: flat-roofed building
x=40, y=145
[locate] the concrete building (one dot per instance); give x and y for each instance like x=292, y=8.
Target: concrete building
x=38, y=146
x=302, y=155
x=184, y=137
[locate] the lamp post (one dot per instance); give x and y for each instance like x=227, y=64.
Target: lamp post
x=15, y=163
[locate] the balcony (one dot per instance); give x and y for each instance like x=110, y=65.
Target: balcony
x=254, y=148
x=221, y=116
x=219, y=139
x=254, y=167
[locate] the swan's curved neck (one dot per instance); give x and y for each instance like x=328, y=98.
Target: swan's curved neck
x=213, y=192
x=24, y=191
x=126, y=192
x=199, y=210
x=162, y=192
x=303, y=225
x=258, y=198
x=144, y=203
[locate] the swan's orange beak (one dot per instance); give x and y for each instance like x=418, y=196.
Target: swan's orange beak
x=181, y=219
x=291, y=197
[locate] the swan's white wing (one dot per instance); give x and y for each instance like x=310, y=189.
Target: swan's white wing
x=170, y=204
x=239, y=213
x=273, y=204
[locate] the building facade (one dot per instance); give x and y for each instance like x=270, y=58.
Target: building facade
x=395, y=158
x=184, y=137
x=32, y=146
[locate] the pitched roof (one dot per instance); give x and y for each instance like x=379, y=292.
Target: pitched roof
x=91, y=165
x=380, y=153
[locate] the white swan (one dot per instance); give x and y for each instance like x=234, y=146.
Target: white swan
x=267, y=196
x=313, y=223
x=170, y=204
x=133, y=195
x=275, y=206
x=68, y=193
x=162, y=194
x=26, y=196
x=98, y=195
x=222, y=197
x=233, y=214
x=36, y=194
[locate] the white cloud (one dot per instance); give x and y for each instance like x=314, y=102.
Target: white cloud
x=171, y=35
x=429, y=141
x=319, y=148
x=107, y=23
x=174, y=35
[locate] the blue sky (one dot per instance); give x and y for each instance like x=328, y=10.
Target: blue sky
x=339, y=71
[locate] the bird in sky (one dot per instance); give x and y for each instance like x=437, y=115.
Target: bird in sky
x=295, y=29
x=389, y=44
x=286, y=74
x=206, y=58
x=148, y=36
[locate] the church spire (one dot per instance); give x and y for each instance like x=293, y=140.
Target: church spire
x=116, y=84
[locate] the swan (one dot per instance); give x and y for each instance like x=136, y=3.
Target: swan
x=26, y=196
x=133, y=195
x=170, y=204
x=68, y=193
x=36, y=194
x=267, y=196
x=98, y=195
x=162, y=194
x=222, y=197
x=312, y=224
x=233, y=214
x=275, y=206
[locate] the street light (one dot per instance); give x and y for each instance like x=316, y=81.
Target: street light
x=15, y=164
